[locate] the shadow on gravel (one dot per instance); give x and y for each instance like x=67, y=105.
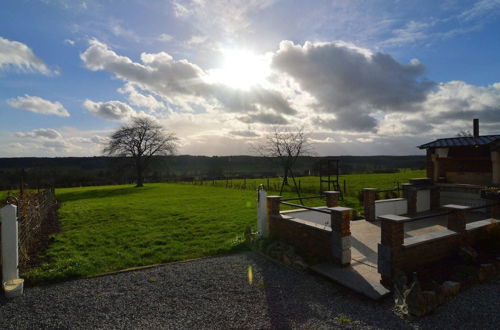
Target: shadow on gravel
x=302, y=297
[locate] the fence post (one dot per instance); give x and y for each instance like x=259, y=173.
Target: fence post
x=341, y=235
x=332, y=198
x=12, y=284
x=391, y=242
x=262, y=219
x=369, y=197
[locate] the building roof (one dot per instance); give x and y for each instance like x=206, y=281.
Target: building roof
x=462, y=141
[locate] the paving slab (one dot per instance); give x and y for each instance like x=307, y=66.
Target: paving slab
x=359, y=277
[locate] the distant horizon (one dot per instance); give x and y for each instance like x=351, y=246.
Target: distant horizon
x=377, y=77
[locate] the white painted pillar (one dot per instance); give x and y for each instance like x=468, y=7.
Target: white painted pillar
x=262, y=220
x=12, y=284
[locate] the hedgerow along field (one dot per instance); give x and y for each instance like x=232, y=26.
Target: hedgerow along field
x=111, y=228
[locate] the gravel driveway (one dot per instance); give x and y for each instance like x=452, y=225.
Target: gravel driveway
x=215, y=293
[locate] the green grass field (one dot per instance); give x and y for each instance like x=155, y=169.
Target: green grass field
x=116, y=227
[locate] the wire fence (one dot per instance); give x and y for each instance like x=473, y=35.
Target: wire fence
x=36, y=213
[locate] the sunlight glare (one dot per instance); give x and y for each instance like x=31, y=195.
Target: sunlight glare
x=241, y=69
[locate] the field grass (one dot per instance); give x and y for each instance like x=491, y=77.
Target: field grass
x=116, y=227
x=309, y=185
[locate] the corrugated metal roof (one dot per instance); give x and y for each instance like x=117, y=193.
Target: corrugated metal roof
x=462, y=141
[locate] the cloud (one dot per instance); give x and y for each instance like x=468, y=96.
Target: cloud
x=141, y=100
x=244, y=133
x=264, y=118
x=165, y=37
x=112, y=110
x=38, y=105
x=231, y=16
x=57, y=145
x=351, y=82
x=180, y=81
x=69, y=42
x=15, y=54
x=47, y=133
x=480, y=9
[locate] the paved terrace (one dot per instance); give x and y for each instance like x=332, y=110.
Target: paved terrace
x=362, y=275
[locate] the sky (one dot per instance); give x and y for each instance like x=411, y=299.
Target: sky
x=371, y=77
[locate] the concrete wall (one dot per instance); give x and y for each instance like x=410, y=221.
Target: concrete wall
x=423, y=200
x=396, y=206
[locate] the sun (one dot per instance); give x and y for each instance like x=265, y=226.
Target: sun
x=241, y=69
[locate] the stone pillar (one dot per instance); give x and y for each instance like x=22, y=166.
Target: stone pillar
x=273, y=211
x=332, y=198
x=435, y=169
x=456, y=219
x=435, y=198
x=392, y=239
x=410, y=194
x=495, y=167
x=341, y=235
x=369, y=197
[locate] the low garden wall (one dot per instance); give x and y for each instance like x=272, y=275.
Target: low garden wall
x=395, y=253
x=320, y=242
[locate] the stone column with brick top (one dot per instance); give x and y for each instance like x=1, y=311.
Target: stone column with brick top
x=456, y=219
x=410, y=194
x=369, y=197
x=341, y=235
x=332, y=198
x=392, y=239
x=273, y=211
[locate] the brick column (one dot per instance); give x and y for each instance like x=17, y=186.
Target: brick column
x=435, y=198
x=392, y=238
x=410, y=194
x=332, y=198
x=495, y=167
x=341, y=235
x=456, y=219
x=273, y=211
x=369, y=197
x=495, y=209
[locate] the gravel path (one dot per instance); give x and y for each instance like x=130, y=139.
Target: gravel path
x=215, y=293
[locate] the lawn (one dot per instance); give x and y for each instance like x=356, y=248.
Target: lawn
x=116, y=227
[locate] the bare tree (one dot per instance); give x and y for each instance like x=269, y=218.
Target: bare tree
x=286, y=145
x=141, y=139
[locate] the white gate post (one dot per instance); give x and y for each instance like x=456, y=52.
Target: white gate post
x=262, y=221
x=12, y=284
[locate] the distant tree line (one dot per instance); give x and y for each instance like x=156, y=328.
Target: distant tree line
x=86, y=171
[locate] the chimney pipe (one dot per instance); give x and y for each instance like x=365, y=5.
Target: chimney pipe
x=476, y=128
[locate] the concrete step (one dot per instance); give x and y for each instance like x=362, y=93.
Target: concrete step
x=359, y=277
